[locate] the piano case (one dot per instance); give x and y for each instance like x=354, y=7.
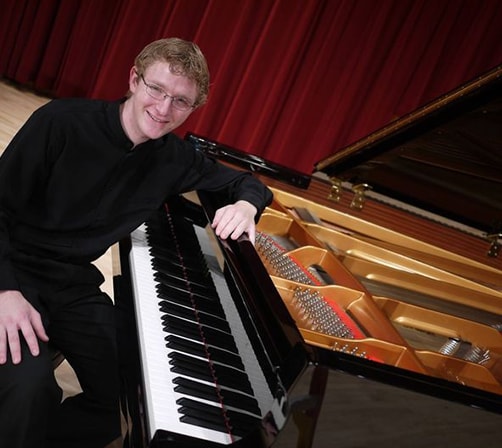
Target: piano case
x=388, y=257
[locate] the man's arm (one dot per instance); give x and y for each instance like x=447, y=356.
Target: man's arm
x=20, y=166
x=246, y=195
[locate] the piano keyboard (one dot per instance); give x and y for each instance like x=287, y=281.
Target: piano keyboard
x=201, y=375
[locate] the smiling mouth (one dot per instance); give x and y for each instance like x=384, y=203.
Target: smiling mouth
x=157, y=120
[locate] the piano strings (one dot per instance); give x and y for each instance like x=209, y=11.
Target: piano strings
x=315, y=311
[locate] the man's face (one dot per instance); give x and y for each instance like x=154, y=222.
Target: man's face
x=147, y=117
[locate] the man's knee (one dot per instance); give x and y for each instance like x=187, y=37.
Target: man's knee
x=29, y=397
x=30, y=381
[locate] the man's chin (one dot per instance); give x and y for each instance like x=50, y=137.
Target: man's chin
x=155, y=134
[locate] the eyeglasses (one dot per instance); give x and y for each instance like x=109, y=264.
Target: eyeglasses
x=156, y=92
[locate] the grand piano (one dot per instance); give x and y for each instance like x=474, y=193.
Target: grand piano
x=385, y=264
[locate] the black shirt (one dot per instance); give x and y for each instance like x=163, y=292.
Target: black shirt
x=71, y=184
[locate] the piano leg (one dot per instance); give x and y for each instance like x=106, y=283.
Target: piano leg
x=306, y=411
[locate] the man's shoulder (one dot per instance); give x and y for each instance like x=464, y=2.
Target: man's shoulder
x=74, y=105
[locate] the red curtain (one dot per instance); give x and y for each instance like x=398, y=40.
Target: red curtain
x=292, y=80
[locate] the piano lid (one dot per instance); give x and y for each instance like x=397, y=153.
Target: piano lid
x=445, y=157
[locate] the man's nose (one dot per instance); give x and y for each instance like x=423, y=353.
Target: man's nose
x=165, y=105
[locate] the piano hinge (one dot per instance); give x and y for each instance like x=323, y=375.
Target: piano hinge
x=495, y=245
x=359, y=196
x=335, y=192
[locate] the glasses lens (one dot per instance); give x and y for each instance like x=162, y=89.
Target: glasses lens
x=155, y=92
x=159, y=94
x=181, y=104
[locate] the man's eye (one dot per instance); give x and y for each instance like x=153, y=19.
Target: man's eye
x=157, y=90
x=182, y=102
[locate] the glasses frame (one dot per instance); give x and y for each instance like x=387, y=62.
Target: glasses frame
x=159, y=94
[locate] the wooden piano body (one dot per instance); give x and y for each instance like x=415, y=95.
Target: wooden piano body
x=389, y=269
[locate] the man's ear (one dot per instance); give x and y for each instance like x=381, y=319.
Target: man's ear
x=133, y=79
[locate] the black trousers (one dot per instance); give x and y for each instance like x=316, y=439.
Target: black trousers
x=80, y=322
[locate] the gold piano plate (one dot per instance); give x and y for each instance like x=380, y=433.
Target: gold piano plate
x=331, y=224
x=372, y=349
x=396, y=309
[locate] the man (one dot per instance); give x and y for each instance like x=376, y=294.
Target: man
x=80, y=175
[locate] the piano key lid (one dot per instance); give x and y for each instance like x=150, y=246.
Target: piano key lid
x=444, y=158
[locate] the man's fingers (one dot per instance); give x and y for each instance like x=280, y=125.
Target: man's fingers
x=18, y=320
x=38, y=326
x=230, y=227
x=235, y=219
x=31, y=331
x=222, y=225
x=14, y=344
x=31, y=339
x=251, y=231
x=3, y=347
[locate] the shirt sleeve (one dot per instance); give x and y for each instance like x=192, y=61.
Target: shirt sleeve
x=22, y=168
x=209, y=175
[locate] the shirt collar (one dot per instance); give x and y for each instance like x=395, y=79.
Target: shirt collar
x=119, y=135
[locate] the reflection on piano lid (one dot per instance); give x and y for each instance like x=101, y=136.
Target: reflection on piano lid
x=249, y=161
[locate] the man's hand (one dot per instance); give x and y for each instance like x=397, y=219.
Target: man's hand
x=18, y=315
x=235, y=219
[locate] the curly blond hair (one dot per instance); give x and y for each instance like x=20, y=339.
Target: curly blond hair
x=184, y=57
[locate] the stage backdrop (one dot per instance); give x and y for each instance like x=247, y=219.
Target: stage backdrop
x=292, y=80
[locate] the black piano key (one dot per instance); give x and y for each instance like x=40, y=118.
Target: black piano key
x=198, y=274
x=196, y=389
x=201, y=369
x=235, y=399
x=162, y=247
x=186, y=367
x=202, y=422
x=198, y=349
x=190, y=251
x=166, y=246
x=188, y=302
x=190, y=265
x=192, y=282
x=174, y=296
x=159, y=255
x=186, y=331
x=181, y=296
x=212, y=336
x=202, y=414
x=189, y=313
x=203, y=418
x=181, y=291
x=192, y=288
x=201, y=290
x=157, y=228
